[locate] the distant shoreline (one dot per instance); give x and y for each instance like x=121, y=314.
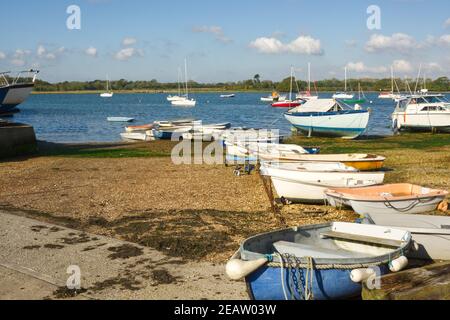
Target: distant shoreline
x=170, y=92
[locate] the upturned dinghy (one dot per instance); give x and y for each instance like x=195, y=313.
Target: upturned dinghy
x=389, y=199
x=120, y=119
x=273, y=151
x=320, y=262
x=138, y=136
x=430, y=234
x=307, y=182
x=363, y=162
x=140, y=128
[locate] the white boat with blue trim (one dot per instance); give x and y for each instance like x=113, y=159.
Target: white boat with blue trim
x=329, y=117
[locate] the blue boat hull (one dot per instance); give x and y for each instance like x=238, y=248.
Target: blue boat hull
x=329, y=284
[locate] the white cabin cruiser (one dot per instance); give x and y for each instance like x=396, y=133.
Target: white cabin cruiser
x=15, y=90
x=422, y=111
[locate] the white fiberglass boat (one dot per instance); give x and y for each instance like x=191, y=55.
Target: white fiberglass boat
x=108, y=93
x=138, y=136
x=306, y=96
x=15, y=90
x=185, y=101
x=120, y=119
x=329, y=117
x=430, y=234
x=422, y=112
x=389, y=199
x=307, y=182
x=345, y=94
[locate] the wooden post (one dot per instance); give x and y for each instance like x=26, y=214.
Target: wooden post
x=431, y=282
x=269, y=191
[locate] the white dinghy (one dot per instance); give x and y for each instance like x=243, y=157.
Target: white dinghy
x=138, y=136
x=120, y=119
x=430, y=234
x=307, y=181
x=390, y=199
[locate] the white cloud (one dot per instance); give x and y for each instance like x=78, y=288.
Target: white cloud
x=361, y=67
x=397, y=42
x=18, y=62
x=2, y=55
x=351, y=43
x=216, y=31
x=444, y=40
x=91, y=51
x=129, y=41
x=447, y=23
x=41, y=51
x=301, y=45
x=402, y=66
x=128, y=53
x=433, y=66
x=44, y=53
x=21, y=53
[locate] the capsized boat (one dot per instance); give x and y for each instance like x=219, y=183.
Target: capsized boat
x=144, y=127
x=15, y=90
x=328, y=117
x=306, y=182
x=388, y=199
x=363, y=161
x=430, y=234
x=138, y=136
x=120, y=119
x=320, y=262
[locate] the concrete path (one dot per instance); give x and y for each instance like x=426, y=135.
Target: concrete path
x=35, y=256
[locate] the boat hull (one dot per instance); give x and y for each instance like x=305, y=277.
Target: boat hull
x=331, y=284
x=286, y=104
x=346, y=124
x=12, y=96
x=439, y=121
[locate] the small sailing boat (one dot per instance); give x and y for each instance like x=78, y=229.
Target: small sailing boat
x=307, y=95
x=232, y=95
x=185, y=101
x=108, y=93
x=274, y=97
x=288, y=103
x=178, y=96
x=345, y=94
x=391, y=94
x=361, y=97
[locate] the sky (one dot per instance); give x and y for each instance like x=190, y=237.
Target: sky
x=228, y=40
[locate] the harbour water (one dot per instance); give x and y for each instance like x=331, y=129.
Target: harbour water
x=82, y=117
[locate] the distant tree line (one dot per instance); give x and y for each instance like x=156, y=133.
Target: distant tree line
x=441, y=84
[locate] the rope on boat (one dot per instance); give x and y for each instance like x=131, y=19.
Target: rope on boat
x=414, y=204
x=301, y=282
x=301, y=265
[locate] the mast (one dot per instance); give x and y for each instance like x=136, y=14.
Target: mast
x=107, y=83
x=186, y=77
x=392, y=79
x=179, y=81
x=345, y=79
x=292, y=76
x=309, y=76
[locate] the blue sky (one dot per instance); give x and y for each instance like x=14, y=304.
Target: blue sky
x=225, y=40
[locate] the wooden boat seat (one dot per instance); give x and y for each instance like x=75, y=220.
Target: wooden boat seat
x=303, y=250
x=361, y=238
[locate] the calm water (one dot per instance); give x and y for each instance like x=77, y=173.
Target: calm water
x=82, y=118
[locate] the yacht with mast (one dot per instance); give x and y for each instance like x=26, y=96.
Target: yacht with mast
x=179, y=96
x=345, y=94
x=108, y=93
x=185, y=101
x=307, y=94
x=288, y=103
x=391, y=94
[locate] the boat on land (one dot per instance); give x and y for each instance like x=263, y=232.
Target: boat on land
x=430, y=234
x=307, y=94
x=185, y=101
x=306, y=182
x=138, y=136
x=288, y=103
x=228, y=95
x=344, y=94
x=120, y=119
x=388, y=199
x=168, y=132
x=317, y=262
x=15, y=90
x=108, y=93
x=273, y=151
x=359, y=161
x=139, y=128
x=422, y=112
x=329, y=117
x=173, y=123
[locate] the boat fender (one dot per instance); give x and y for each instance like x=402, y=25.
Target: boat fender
x=361, y=275
x=237, y=269
x=398, y=264
x=443, y=206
